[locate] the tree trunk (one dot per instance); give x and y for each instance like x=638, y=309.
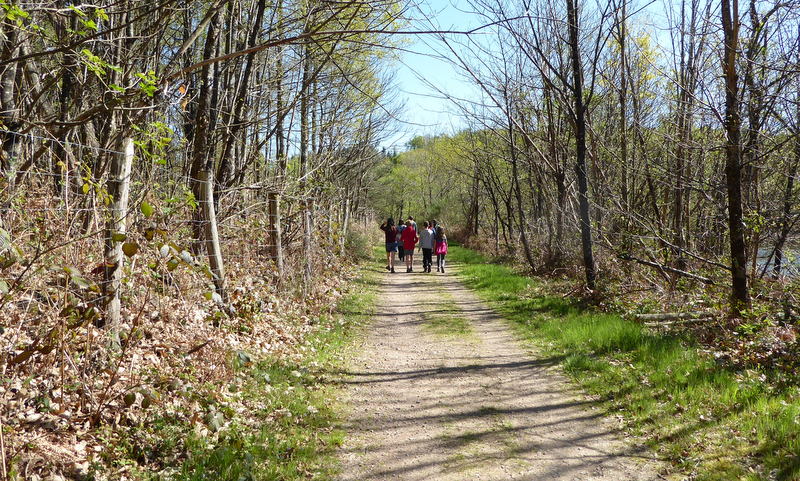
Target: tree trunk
x=8, y=105
x=786, y=216
x=211, y=232
x=496, y=231
x=305, y=171
x=561, y=190
x=622, y=35
x=580, y=146
x=202, y=172
x=237, y=122
x=280, y=155
x=733, y=168
x=755, y=58
x=474, y=209
x=345, y=224
x=119, y=189
x=516, y=188
x=788, y=193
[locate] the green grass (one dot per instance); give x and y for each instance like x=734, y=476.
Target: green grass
x=706, y=419
x=448, y=323
x=447, y=319
x=297, y=436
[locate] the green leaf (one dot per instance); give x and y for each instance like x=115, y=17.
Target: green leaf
x=101, y=14
x=5, y=239
x=90, y=24
x=147, y=209
x=14, y=13
x=207, y=271
x=80, y=281
x=85, y=188
x=190, y=200
x=119, y=237
x=7, y=260
x=130, y=248
x=4, y=287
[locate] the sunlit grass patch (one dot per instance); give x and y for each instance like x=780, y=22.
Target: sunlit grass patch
x=447, y=324
x=446, y=318
x=708, y=420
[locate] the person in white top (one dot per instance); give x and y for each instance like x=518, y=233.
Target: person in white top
x=426, y=239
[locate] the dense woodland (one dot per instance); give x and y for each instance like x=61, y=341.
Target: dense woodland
x=605, y=138
x=215, y=161
x=172, y=174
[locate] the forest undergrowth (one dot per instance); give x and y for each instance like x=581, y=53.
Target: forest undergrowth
x=763, y=336
x=673, y=387
x=193, y=383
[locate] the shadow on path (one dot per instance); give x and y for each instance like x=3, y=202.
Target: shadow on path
x=433, y=409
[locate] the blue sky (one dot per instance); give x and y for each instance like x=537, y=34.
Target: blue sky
x=426, y=111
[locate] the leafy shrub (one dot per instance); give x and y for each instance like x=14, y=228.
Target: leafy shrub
x=358, y=244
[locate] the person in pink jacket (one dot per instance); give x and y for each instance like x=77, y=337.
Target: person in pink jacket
x=440, y=248
x=409, y=239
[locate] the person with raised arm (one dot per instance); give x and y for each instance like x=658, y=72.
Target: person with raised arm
x=390, y=232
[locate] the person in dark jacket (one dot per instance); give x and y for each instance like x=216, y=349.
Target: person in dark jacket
x=401, y=253
x=390, y=232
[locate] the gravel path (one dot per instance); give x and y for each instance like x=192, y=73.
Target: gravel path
x=469, y=406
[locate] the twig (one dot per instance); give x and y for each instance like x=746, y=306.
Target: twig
x=3, y=449
x=693, y=255
x=628, y=257
x=672, y=323
x=572, y=291
x=665, y=316
x=197, y=348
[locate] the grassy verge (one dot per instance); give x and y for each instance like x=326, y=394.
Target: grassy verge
x=298, y=437
x=276, y=420
x=711, y=422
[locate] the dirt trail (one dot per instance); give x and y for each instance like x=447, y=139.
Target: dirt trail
x=474, y=406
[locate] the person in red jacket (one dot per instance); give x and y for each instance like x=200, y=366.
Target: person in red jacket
x=409, y=239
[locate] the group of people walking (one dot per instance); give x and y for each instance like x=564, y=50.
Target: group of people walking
x=403, y=238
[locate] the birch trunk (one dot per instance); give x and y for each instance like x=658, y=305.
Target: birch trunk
x=119, y=189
